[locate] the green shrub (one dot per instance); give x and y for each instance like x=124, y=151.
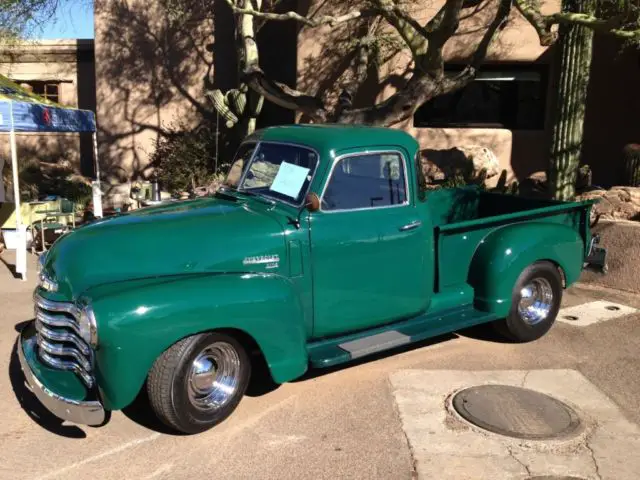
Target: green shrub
x=185, y=159
x=38, y=179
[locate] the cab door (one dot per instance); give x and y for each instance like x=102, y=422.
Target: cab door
x=371, y=253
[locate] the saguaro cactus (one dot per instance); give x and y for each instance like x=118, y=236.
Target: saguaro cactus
x=232, y=106
x=575, y=51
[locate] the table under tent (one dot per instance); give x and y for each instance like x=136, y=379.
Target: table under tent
x=22, y=111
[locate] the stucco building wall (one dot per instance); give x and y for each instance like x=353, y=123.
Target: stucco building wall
x=153, y=69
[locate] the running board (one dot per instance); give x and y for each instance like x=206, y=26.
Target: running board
x=326, y=353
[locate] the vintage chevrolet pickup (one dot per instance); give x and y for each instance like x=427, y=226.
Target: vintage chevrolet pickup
x=322, y=247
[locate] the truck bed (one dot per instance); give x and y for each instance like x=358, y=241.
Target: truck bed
x=462, y=217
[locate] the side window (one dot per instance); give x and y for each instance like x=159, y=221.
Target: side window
x=366, y=181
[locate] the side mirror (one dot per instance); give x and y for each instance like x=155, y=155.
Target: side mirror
x=312, y=202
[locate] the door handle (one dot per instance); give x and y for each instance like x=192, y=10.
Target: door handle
x=411, y=226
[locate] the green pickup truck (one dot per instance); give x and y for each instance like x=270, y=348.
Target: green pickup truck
x=322, y=247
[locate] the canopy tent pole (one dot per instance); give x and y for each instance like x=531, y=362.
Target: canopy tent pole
x=21, y=249
x=26, y=112
x=95, y=155
x=97, y=188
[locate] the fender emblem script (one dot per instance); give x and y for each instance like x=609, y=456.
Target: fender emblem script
x=271, y=261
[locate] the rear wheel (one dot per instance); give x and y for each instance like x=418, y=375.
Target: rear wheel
x=535, y=302
x=199, y=381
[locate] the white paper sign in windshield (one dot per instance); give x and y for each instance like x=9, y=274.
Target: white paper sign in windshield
x=289, y=179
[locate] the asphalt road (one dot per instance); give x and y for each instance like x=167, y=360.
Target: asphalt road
x=341, y=423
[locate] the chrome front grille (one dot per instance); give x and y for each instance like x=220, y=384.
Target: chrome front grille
x=59, y=342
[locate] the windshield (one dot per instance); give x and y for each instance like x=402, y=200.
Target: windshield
x=281, y=172
x=239, y=162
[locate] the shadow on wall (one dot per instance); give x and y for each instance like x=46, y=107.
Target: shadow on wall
x=327, y=54
x=154, y=63
x=326, y=60
x=613, y=104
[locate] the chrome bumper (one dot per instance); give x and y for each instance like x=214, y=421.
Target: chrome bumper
x=85, y=412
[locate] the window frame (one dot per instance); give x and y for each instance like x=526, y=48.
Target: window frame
x=542, y=70
x=287, y=144
x=339, y=158
x=44, y=83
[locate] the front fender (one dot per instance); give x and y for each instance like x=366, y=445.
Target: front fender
x=139, y=320
x=502, y=256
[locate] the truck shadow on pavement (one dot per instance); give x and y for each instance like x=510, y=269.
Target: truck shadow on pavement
x=31, y=405
x=484, y=333
x=261, y=383
x=139, y=411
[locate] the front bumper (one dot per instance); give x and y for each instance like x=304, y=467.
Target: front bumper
x=86, y=412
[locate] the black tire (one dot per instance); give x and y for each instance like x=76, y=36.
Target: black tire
x=172, y=382
x=517, y=327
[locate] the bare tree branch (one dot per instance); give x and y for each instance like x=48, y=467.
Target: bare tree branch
x=284, y=96
x=360, y=67
x=504, y=9
x=410, y=31
x=530, y=9
x=612, y=26
x=309, y=21
x=433, y=62
x=478, y=57
x=543, y=24
x=433, y=24
x=255, y=78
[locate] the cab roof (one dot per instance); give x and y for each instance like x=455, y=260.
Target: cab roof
x=327, y=138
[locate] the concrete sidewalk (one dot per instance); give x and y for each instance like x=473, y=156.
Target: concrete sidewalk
x=605, y=446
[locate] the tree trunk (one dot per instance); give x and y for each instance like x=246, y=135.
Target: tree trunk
x=576, y=47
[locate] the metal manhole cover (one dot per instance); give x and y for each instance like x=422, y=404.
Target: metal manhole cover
x=516, y=412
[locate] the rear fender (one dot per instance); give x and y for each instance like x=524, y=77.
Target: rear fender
x=138, y=323
x=503, y=254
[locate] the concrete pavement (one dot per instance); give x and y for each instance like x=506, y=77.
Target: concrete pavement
x=604, y=446
x=341, y=423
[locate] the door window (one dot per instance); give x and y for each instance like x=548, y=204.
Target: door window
x=373, y=180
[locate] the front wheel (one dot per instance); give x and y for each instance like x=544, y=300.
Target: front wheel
x=535, y=302
x=199, y=381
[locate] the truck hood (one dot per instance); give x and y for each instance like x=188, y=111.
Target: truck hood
x=200, y=236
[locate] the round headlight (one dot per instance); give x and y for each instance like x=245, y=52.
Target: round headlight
x=88, y=326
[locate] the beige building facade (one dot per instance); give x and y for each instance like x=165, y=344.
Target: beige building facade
x=153, y=71
x=62, y=71
x=153, y=67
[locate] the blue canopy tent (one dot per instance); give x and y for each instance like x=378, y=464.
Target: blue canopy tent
x=23, y=111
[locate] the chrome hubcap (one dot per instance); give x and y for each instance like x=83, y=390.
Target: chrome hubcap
x=536, y=300
x=214, y=377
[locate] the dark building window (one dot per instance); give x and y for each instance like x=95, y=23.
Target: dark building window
x=48, y=90
x=510, y=97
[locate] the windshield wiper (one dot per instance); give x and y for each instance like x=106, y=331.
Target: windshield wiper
x=221, y=193
x=259, y=196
